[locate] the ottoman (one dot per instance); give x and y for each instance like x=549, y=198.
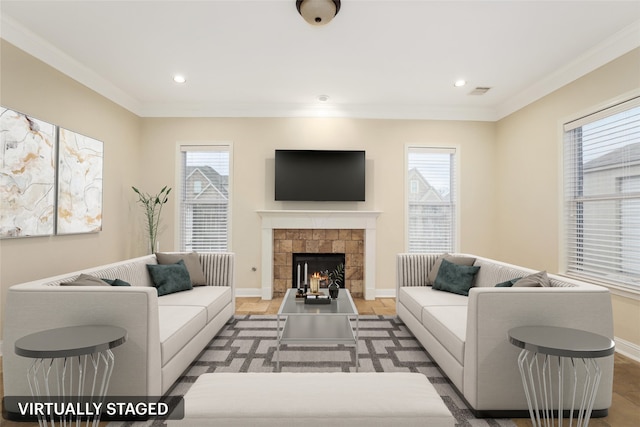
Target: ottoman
x=314, y=399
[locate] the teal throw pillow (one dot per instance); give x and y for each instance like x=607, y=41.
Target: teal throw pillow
x=117, y=282
x=170, y=278
x=455, y=278
x=508, y=283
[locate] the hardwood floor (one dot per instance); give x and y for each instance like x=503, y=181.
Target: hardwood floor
x=624, y=411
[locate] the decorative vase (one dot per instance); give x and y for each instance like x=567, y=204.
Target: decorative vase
x=333, y=289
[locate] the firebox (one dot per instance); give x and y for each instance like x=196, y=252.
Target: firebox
x=328, y=266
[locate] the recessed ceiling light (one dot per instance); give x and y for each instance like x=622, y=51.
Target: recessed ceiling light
x=323, y=98
x=460, y=83
x=178, y=78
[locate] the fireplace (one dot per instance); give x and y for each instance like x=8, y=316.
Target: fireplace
x=287, y=231
x=326, y=266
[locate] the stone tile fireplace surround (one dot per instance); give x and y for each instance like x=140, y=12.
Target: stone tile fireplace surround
x=350, y=232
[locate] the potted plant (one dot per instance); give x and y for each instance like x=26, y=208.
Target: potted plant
x=152, y=205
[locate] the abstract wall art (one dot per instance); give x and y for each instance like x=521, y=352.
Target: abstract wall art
x=50, y=178
x=79, y=183
x=27, y=175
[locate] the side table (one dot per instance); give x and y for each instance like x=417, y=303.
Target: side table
x=71, y=363
x=579, y=349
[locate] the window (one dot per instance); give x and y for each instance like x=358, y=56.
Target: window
x=602, y=195
x=204, y=204
x=431, y=199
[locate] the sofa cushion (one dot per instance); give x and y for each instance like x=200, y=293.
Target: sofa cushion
x=212, y=298
x=177, y=326
x=170, y=278
x=539, y=279
x=455, y=278
x=85, y=280
x=415, y=298
x=448, y=324
x=460, y=260
x=191, y=261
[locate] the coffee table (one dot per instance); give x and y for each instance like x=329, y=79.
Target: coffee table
x=313, y=324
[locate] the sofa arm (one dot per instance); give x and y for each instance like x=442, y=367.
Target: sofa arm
x=491, y=375
x=413, y=269
x=218, y=268
x=36, y=307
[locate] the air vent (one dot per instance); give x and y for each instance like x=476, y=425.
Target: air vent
x=479, y=91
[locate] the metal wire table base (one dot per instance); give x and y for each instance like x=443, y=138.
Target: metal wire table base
x=540, y=371
x=70, y=390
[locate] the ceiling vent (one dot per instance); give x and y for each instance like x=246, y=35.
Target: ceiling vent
x=479, y=90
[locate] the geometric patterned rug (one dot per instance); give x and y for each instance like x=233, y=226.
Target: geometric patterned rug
x=248, y=344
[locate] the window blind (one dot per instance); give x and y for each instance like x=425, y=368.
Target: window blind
x=431, y=199
x=602, y=195
x=204, y=204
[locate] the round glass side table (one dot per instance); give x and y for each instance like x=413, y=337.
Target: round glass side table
x=71, y=370
x=546, y=351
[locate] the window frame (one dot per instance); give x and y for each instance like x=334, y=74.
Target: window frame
x=589, y=115
x=435, y=148
x=181, y=146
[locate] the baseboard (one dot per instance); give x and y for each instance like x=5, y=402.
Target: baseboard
x=627, y=348
x=248, y=292
x=0, y=348
x=385, y=293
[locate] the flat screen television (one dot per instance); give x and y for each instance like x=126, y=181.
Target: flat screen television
x=320, y=175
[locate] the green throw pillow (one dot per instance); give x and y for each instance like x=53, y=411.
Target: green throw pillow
x=191, y=261
x=455, y=278
x=117, y=282
x=508, y=283
x=170, y=278
x=461, y=260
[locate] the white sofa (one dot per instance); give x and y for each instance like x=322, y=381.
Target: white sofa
x=467, y=335
x=165, y=334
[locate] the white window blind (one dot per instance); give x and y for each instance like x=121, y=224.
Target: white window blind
x=204, y=204
x=431, y=199
x=602, y=195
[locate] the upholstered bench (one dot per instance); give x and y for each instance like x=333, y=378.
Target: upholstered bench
x=314, y=399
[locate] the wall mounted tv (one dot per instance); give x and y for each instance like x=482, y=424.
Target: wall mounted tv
x=320, y=175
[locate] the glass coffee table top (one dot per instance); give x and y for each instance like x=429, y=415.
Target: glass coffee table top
x=343, y=305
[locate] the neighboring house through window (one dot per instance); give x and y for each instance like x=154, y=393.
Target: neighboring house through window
x=204, y=204
x=602, y=195
x=431, y=199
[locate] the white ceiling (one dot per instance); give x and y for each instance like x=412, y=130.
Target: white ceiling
x=376, y=59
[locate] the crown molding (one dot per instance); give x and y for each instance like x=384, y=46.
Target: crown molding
x=606, y=51
x=41, y=49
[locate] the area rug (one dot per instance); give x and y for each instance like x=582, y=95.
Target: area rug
x=248, y=344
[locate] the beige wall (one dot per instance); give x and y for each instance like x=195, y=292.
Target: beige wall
x=29, y=86
x=255, y=140
x=528, y=186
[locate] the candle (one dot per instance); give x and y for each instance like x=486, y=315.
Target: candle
x=306, y=274
x=298, y=282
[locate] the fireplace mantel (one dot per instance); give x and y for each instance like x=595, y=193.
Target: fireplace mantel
x=318, y=219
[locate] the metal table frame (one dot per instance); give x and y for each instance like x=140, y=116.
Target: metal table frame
x=548, y=349
x=312, y=324
x=73, y=362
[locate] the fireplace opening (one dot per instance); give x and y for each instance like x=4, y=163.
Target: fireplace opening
x=328, y=266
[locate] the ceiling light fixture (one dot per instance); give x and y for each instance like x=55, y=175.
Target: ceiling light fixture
x=323, y=98
x=460, y=83
x=179, y=78
x=318, y=12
